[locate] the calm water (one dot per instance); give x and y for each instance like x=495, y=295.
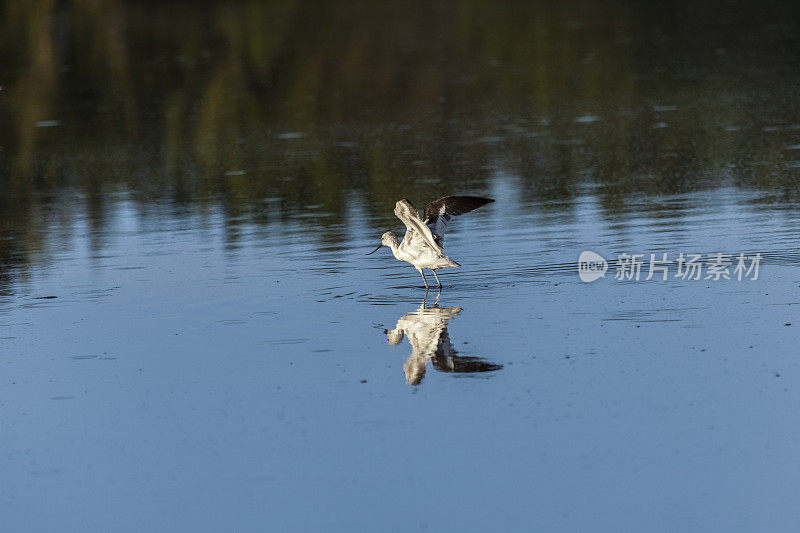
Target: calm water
x=191, y=337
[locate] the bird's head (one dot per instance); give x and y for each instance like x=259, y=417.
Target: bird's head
x=394, y=336
x=387, y=239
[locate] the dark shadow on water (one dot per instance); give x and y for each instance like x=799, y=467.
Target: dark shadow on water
x=426, y=331
x=313, y=118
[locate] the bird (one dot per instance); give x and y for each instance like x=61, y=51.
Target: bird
x=426, y=331
x=424, y=238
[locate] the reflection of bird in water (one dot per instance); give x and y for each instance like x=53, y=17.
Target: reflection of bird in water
x=426, y=330
x=422, y=243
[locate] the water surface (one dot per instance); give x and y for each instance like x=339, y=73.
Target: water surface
x=191, y=334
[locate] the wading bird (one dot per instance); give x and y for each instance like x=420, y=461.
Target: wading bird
x=426, y=331
x=422, y=243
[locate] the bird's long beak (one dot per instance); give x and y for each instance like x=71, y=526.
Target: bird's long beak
x=376, y=249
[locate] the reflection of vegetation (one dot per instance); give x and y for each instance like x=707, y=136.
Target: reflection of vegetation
x=213, y=102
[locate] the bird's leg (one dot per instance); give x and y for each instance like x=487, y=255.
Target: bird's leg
x=423, y=278
x=437, y=278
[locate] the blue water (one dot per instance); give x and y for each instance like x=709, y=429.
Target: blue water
x=192, y=337
x=174, y=381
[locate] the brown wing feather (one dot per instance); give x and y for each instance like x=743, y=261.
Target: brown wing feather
x=454, y=205
x=439, y=212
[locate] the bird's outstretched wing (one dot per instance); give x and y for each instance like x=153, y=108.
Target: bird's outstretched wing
x=415, y=229
x=438, y=213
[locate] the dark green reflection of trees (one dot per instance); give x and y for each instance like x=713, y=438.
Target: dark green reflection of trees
x=315, y=103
